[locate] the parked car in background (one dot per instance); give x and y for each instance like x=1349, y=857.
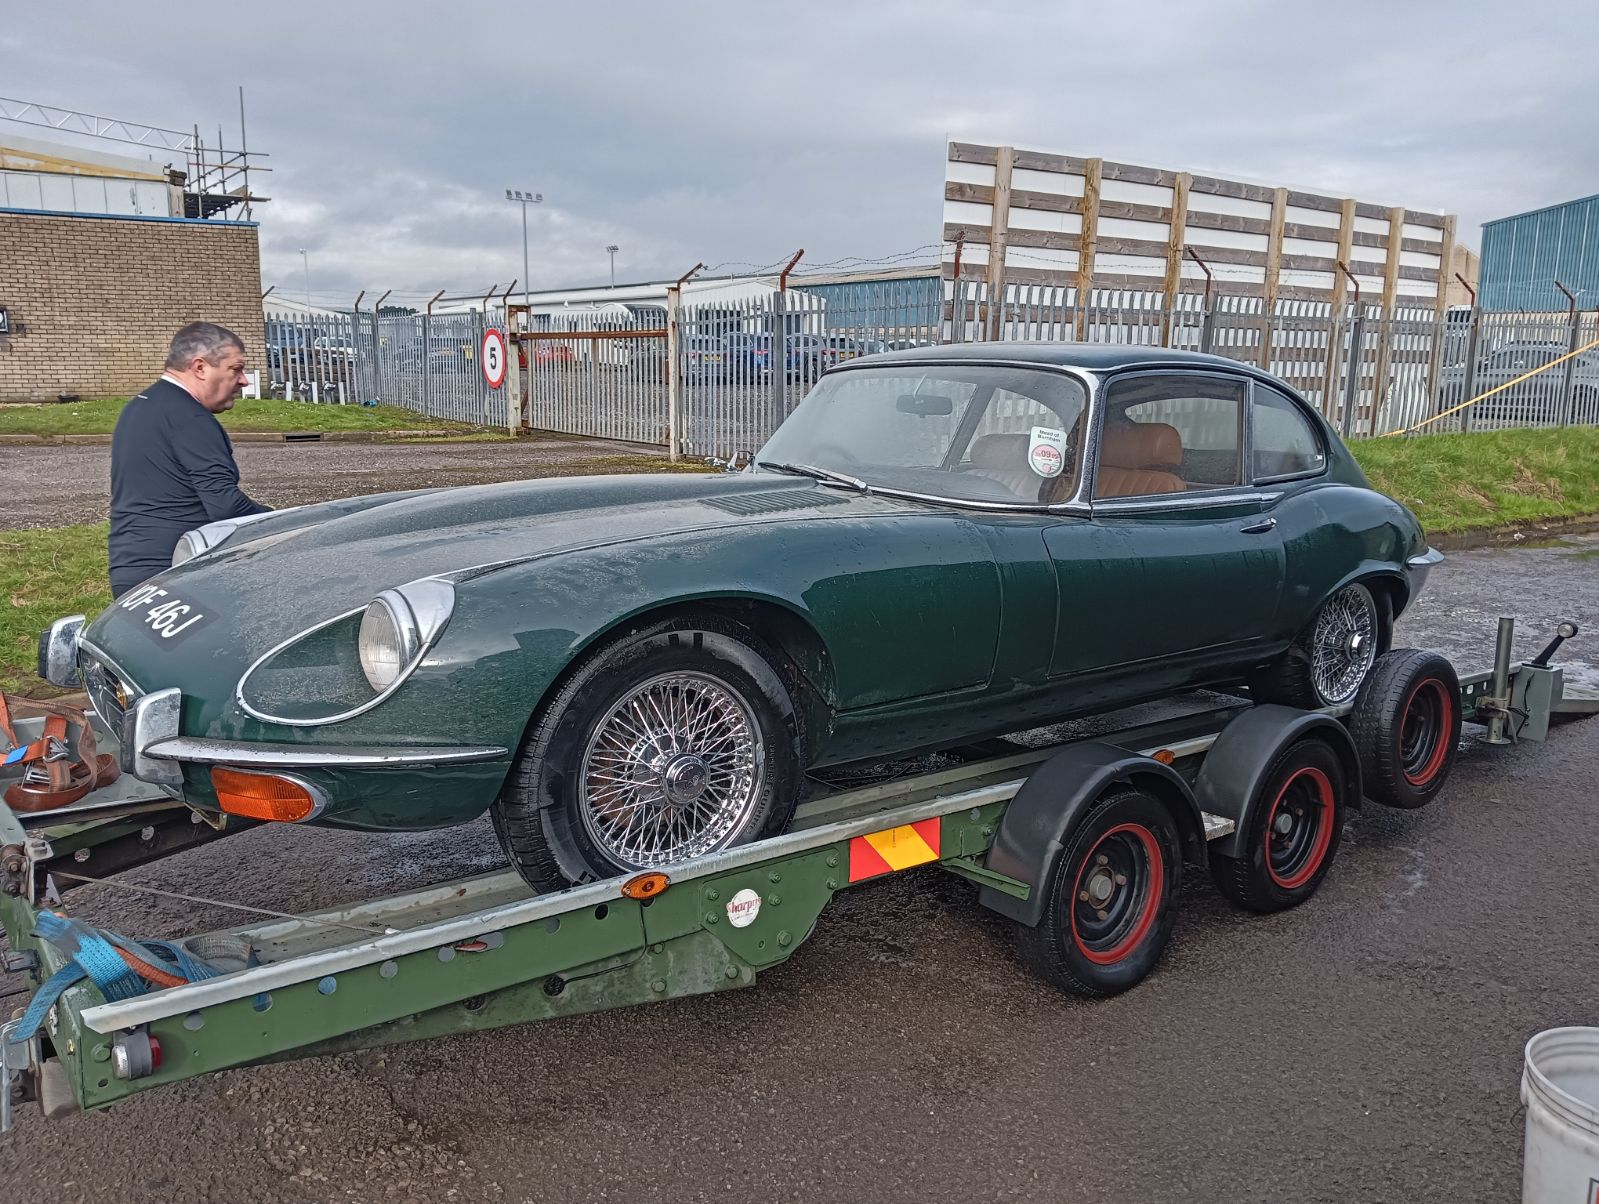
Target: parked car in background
x=749, y=356
x=1541, y=398
x=837, y=349
x=704, y=359
x=938, y=546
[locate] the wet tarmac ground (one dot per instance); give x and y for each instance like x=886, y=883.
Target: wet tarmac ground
x=1363, y=1047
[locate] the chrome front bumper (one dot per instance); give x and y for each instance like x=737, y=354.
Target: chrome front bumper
x=154, y=750
x=1417, y=568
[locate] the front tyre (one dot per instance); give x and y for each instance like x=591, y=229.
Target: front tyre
x=671, y=742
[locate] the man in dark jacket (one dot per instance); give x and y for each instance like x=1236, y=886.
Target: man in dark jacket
x=172, y=466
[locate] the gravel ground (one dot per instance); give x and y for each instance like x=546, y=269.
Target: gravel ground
x=52, y=486
x=1364, y=1047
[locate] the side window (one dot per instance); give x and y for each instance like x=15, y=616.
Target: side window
x=1285, y=443
x=1022, y=443
x=1170, y=434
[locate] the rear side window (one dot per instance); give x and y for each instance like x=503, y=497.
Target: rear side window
x=1285, y=442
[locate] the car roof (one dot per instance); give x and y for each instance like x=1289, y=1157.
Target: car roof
x=1091, y=357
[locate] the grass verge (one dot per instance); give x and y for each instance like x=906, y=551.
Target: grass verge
x=99, y=417
x=45, y=574
x=1466, y=482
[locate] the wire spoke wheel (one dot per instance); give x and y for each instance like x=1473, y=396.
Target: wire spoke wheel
x=671, y=771
x=1343, y=644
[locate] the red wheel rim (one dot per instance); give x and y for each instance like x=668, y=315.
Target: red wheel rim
x=1304, y=807
x=1116, y=894
x=1424, y=728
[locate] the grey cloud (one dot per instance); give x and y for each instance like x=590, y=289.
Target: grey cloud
x=735, y=133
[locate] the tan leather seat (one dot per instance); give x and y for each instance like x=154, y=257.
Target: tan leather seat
x=1003, y=458
x=1136, y=458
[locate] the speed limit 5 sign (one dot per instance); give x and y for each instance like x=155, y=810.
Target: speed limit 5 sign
x=493, y=358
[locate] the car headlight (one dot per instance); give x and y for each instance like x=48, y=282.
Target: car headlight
x=398, y=626
x=203, y=539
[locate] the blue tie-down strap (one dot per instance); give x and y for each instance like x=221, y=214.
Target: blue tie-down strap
x=95, y=957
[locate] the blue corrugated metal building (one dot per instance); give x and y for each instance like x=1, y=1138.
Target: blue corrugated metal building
x=1523, y=256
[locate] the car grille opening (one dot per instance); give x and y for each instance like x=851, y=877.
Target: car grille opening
x=109, y=694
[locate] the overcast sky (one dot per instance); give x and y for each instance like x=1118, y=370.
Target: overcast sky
x=735, y=134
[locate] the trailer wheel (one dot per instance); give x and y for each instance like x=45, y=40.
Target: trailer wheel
x=1406, y=726
x=1110, y=900
x=1293, y=830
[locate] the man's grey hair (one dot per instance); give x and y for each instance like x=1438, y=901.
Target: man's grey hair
x=204, y=339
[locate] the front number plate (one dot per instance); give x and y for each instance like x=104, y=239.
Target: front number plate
x=162, y=614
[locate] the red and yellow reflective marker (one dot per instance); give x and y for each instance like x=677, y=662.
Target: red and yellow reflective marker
x=893, y=849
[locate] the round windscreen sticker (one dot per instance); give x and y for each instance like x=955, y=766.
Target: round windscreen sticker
x=742, y=908
x=1046, y=451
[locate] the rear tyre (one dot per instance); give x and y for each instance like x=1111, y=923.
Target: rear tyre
x=1293, y=831
x=1406, y=727
x=1110, y=900
x=675, y=740
x=1326, y=664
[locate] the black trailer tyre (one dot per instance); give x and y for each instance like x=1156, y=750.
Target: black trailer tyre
x=673, y=741
x=1292, y=832
x=1110, y=900
x=1406, y=727
x=1333, y=655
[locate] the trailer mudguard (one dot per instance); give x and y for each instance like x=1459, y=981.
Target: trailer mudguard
x=1039, y=820
x=1229, y=779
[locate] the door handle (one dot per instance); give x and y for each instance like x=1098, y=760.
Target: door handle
x=1261, y=527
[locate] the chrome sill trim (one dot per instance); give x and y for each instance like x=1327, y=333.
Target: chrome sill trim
x=199, y=750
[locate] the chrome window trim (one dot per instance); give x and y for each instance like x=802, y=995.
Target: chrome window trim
x=1186, y=501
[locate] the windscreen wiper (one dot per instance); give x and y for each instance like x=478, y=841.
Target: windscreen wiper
x=816, y=474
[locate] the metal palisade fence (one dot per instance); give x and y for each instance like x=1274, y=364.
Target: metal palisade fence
x=424, y=362
x=715, y=372
x=1369, y=374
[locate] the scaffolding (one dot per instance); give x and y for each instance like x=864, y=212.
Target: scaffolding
x=215, y=178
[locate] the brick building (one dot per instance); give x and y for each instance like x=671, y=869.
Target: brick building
x=92, y=301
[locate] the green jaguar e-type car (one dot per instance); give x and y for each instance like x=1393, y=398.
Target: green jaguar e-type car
x=939, y=545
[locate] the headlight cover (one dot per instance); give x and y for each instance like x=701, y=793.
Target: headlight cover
x=347, y=665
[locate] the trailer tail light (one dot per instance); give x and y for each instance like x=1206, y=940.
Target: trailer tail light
x=268, y=796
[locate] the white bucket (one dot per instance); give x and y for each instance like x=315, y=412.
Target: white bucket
x=1560, y=1087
